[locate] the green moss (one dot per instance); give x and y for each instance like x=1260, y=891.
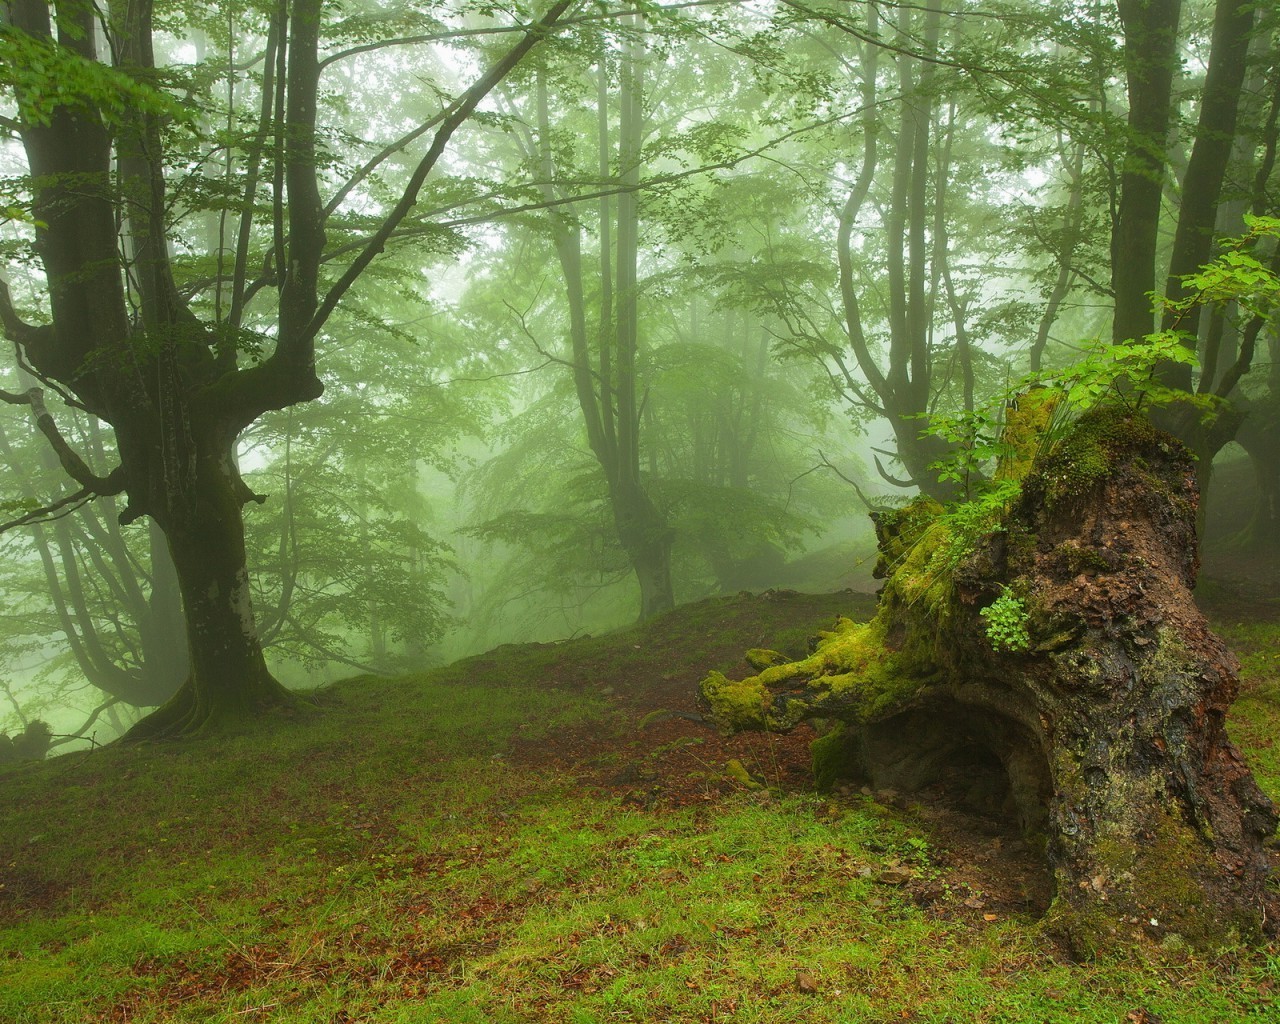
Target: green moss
x=1072, y=559
x=1085, y=456
x=922, y=576
x=1026, y=425
x=851, y=675
x=899, y=530
x=1150, y=883
x=735, y=705
x=760, y=658
x=735, y=771
x=834, y=757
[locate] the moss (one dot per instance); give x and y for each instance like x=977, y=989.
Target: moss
x=1155, y=883
x=850, y=671
x=834, y=757
x=760, y=658
x=735, y=771
x=1026, y=426
x=923, y=575
x=1077, y=463
x=735, y=705
x=1070, y=558
x=899, y=530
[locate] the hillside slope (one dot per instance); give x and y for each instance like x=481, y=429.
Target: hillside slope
x=532, y=835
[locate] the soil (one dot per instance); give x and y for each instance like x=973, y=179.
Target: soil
x=663, y=756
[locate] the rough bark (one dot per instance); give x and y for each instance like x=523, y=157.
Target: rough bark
x=1207, y=167
x=1104, y=733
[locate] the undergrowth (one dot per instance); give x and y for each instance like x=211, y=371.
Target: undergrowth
x=391, y=859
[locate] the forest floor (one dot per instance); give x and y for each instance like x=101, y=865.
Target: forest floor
x=540, y=834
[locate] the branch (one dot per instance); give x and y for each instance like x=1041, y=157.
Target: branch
x=15, y=328
x=67, y=737
x=601, y=192
x=441, y=37
x=871, y=507
x=462, y=109
x=54, y=510
x=72, y=464
x=885, y=473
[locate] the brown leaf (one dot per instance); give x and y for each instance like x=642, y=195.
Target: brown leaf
x=806, y=983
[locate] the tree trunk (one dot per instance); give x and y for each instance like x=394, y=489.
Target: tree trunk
x=647, y=540
x=1151, y=58
x=1202, y=182
x=228, y=678
x=1259, y=436
x=1062, y=656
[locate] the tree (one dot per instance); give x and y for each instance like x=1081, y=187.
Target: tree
x=126, y=344
x=80, y=583
x=1042, y=645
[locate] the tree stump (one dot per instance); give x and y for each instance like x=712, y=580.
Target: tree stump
x=1050, y=649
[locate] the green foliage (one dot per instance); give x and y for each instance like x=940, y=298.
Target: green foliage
x=1125, y=375
x=45, y=77
x=1007, y=623
x=974, y=439
x=967, y=522
x=1237, y=275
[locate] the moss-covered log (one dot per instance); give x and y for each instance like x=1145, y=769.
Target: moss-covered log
x=1051, y=650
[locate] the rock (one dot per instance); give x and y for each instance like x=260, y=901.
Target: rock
x=761, y=658
x=895, y=876
x=735, y=771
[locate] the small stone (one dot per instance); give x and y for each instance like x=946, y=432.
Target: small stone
x=806, y=983
x=895, y=876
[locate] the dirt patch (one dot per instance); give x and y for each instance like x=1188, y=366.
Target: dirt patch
x=658, y=754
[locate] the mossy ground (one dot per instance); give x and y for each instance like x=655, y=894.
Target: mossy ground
x=440, y=848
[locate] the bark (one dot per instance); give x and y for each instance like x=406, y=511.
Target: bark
x=228, y=677
x=1100, y=724
x=1151, y=58
x=901, y=390
x=1207, y=166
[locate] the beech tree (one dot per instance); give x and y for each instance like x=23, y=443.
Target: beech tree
x=125, y=343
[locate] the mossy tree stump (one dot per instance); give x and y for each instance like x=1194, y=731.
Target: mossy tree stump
x=1098, y=712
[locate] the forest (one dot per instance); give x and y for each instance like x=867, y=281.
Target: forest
x=583, y=510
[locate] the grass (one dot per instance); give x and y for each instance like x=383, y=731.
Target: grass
x=394, y=858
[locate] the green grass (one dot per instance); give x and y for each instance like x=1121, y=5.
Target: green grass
x=1255, y=716
x=388, y=859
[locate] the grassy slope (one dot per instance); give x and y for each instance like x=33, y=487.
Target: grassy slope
x=396, y=857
